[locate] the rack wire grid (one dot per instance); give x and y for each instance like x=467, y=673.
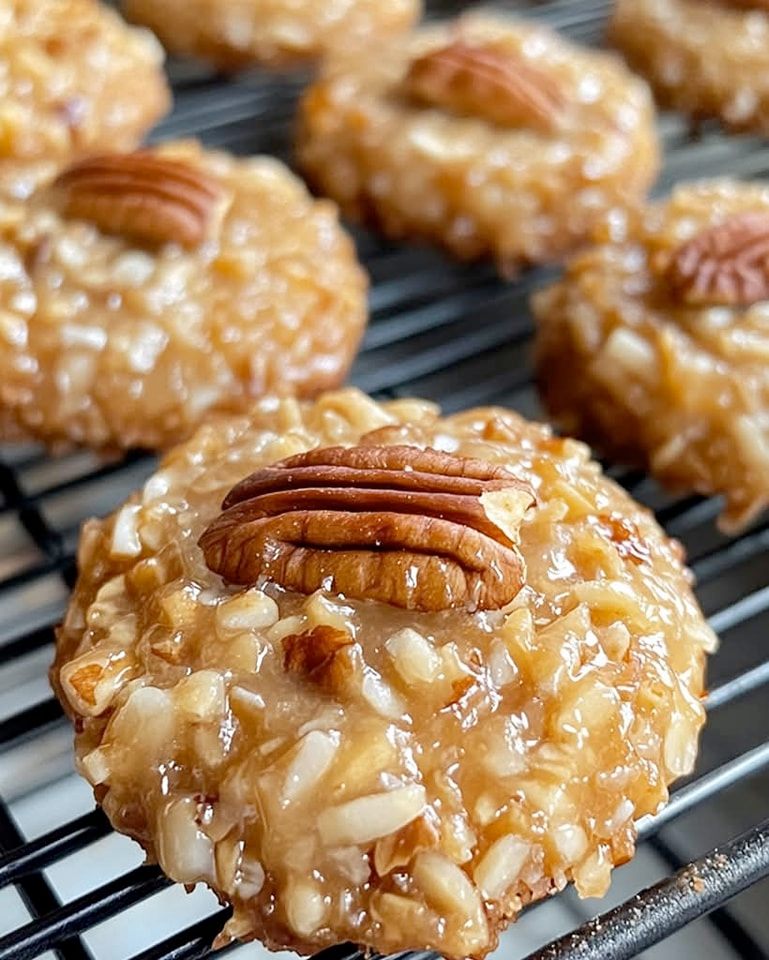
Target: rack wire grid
x=70, y=888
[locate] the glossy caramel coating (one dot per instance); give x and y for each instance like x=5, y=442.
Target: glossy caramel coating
x=344, y=769
x=709, y=58
x=681, y=388
x=75, y=80
x=518, y=194
x=275, y=33
x=116, y=344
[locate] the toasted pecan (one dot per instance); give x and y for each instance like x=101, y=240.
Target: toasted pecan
x=489, y=83
x=145, y=197
x=397, y=524
x=750, y=4
x=727, y=264
x=319, y=655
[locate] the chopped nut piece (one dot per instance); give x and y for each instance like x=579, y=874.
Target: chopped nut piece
x=448, y=889
x=92, y=681
x=201, y=695
x=286, y=626
x=320, y=655
x=680, y=747
x=305, y=908
x=368, y=818
x=95, y=766
x=414, y=657
x=83, y=681
x=321, y=611
x=315, y=754
x=502, y=668
x=186, y=854
x=501, y=865
x=227, y=856
x=502, y=753
x=381, y=696
x=593, y=875
x=571, y=841
x=125, y=533
x=398, y=849
x=146, y=721
x=249, y=610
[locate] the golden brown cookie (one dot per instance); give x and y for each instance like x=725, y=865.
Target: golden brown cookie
x=414, y=673
x=488, y=136
x=75, y=80
x=142, y=291
x=709, y=58
x=654, y=345
x=275, y=33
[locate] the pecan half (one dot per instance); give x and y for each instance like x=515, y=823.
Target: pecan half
x=486, y=82
x=750, y=4
x=145, y=197
x=397, y=524
x=724, y=265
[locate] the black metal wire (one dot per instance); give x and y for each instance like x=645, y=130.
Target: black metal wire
x=28, y=858
x=665, y=908
x=37, y=936
x=439, y=330
x=36, y=892
x=194, y=943
x=731, y=931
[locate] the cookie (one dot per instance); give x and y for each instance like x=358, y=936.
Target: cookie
x=76, y=80
x=654, y=345
x=143, y=291
x=490, y=137
x=709, y=58
x=234, y=34
x=378, y=675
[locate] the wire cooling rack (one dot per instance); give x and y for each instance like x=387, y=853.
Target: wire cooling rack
x=69, y=888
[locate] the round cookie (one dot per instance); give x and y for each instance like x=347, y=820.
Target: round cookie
x=511, y=677
x=654, y=345
x=491, y=137
x=142, y=291
x=275, y=33
x=75, y=80
x=709, y=58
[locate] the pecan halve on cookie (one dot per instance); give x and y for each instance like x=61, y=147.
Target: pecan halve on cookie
x=654, y=344
x=488, y=136
x=159, y=286
x=396, y=524
x=379, y=675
